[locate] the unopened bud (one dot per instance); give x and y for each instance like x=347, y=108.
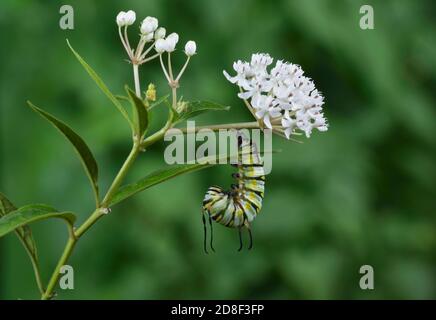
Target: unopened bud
x=150, y=94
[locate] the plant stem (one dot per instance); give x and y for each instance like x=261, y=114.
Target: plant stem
x=88, y=223
x=56, y=273
x=122, y=173
x=136, y=79
x=174, y=94
x=159, y=134
x=74, y=236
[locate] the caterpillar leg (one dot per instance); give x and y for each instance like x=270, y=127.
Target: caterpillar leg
x=240, y=239
x=251, y=239
x=205, y=234
x=211, y=234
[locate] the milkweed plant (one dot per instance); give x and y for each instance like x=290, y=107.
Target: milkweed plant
x=281, y=99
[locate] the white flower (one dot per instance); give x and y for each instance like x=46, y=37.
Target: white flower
x=166, y=45
x=259, y=63
x=160, y=33
x=265, y=109
x=148, y=37
x=254, y=87
x=160, y=45
x=283, y=99
x=241, y=69
x=130, y=17
x=149, y=24
x=190, y=48
x=171, y=41
x=289, y=124
x=126, y=18
x=170, y=45
x=173, y=37
x=121, y=19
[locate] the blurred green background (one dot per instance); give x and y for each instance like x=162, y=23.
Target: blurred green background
x=362, y=193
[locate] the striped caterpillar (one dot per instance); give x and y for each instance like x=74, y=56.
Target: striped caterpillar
x=237, y=207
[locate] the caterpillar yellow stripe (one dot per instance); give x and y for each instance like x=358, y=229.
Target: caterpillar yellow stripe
x=239, y=206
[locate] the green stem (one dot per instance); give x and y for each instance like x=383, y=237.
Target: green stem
x=74, y=236
x=159, y=134
x=122, y=173
x=56, y=273
x=88, y=223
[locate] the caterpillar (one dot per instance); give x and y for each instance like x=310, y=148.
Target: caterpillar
x=237, y=207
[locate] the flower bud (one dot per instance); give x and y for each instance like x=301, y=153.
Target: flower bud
x=170, y=44
x=126, y=18
x=148, y=25
x=148, y=37
x=150, y=94
x=160, y=33
x=190, y=48
x=130, y=17
x=121, y=19
x=160, y=45
x=174, y=37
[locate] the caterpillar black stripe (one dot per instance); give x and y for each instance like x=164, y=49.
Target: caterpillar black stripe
x=237, y=207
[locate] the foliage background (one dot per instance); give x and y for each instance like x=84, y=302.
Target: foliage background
x=363, y=193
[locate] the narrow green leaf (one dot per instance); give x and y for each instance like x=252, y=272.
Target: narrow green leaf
x=100, y=84
x=140, y=110
x=82, y=149
x=153, y=179
x=29, y=214
x=196, y=108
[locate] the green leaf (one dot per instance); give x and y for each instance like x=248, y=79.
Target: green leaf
x=6, y=205
x=195, y=108
x=23, y=233
x=159, y=101
x=29, y=214
x=140, y=111
x=154, y=178
x=85, y=154
x=101, y=84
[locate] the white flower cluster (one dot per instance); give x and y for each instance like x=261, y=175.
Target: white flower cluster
x=150, y=32
x=282, y=98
